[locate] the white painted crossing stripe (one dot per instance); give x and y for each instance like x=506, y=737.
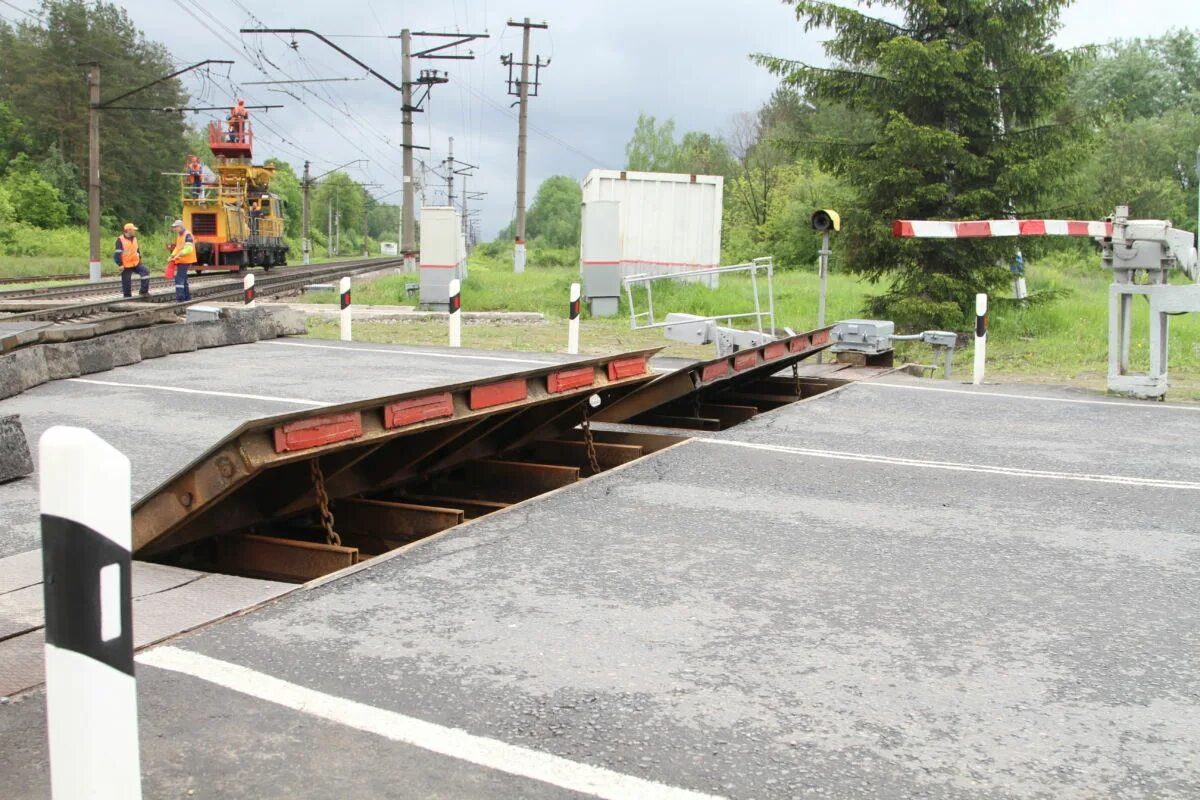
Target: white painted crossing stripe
x=452, y=742
x=1148, y=406
x=425, y=353
x=295, y=401
x=1015, y=472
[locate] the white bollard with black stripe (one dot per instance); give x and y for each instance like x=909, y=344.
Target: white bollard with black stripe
x=573, y=324
x=248, y=291
x=455, y=313
x=91, y=693
x=344, y=300
x=981, y=306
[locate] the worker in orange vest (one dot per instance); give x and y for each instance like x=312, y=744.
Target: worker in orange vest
x=238, y=115
x=128, y=256
x=195, y=174
x=183, y=255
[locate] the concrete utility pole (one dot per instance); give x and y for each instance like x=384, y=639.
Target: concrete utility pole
x=450, y=175
x=523, y=94
x=408, y=245
x=94, y=172
x=93, y=180
x=305, y=241
x=427, y=79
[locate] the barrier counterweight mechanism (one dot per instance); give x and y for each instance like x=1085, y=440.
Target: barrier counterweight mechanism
x=91, y=692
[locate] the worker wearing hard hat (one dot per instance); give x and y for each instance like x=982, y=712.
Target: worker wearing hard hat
x=183, y=255
x=238, y=115
x=128, y=256
x=195, y=175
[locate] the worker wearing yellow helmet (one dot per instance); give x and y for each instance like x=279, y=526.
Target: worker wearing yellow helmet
x=128, y=256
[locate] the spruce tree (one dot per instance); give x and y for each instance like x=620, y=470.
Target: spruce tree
x=967, y=101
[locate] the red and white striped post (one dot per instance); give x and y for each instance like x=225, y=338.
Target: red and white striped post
x=91, y=692
x=573, y=321
x=455, y=312
x=248, y=290
x=344, y=320
x=981, y=322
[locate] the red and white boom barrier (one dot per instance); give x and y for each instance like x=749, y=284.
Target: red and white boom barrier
x=91, y=693
x=984, y=228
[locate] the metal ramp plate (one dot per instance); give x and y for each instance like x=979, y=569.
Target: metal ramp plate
x=261, y=472
x=719, y=374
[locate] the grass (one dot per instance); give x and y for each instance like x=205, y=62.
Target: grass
x=1063, y=340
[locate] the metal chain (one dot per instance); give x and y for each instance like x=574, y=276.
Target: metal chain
x=318, y=480
x=590, y=443
x=796, y=379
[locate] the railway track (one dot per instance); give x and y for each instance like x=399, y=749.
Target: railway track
x=80, y=320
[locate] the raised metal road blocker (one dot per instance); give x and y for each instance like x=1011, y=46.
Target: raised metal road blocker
x=264, y=500
x=1141, y=255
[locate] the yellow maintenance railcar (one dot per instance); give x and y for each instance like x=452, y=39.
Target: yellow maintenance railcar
x=236, y=221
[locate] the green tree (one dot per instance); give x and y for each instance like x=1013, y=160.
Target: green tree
x=7, y=212
x=287, y=186
x=554, y=218
x=341, y=194
x=34, y=201
x=384, y=222
x=13, y=137
x=652, y=147
x=43, y=77
x=1148, y=91
x=963, y=97
x=65, y=178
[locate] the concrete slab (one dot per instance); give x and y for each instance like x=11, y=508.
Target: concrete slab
x=754, y=623
x=1046, y=429
x=166, y=601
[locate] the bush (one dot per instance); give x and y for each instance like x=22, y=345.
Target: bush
x=553, y=256
x=34, y=200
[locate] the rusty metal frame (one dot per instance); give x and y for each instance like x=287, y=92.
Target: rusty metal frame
x=724, y=372
x=211, y=496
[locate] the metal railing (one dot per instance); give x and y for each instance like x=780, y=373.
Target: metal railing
x=765, y=264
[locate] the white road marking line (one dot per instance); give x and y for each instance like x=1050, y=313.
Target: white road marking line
x=295, y=401
x=1016, y=472
x=452, y=742
x=427, y=353
x=1145, y=405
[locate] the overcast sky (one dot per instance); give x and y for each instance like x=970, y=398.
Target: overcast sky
x=611, y=59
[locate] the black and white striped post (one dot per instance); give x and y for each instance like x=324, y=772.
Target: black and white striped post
x=573, y=323
x=981, y=305
x=344, y=299
x=91, y=693
x=248, y=291
x=455, y=313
